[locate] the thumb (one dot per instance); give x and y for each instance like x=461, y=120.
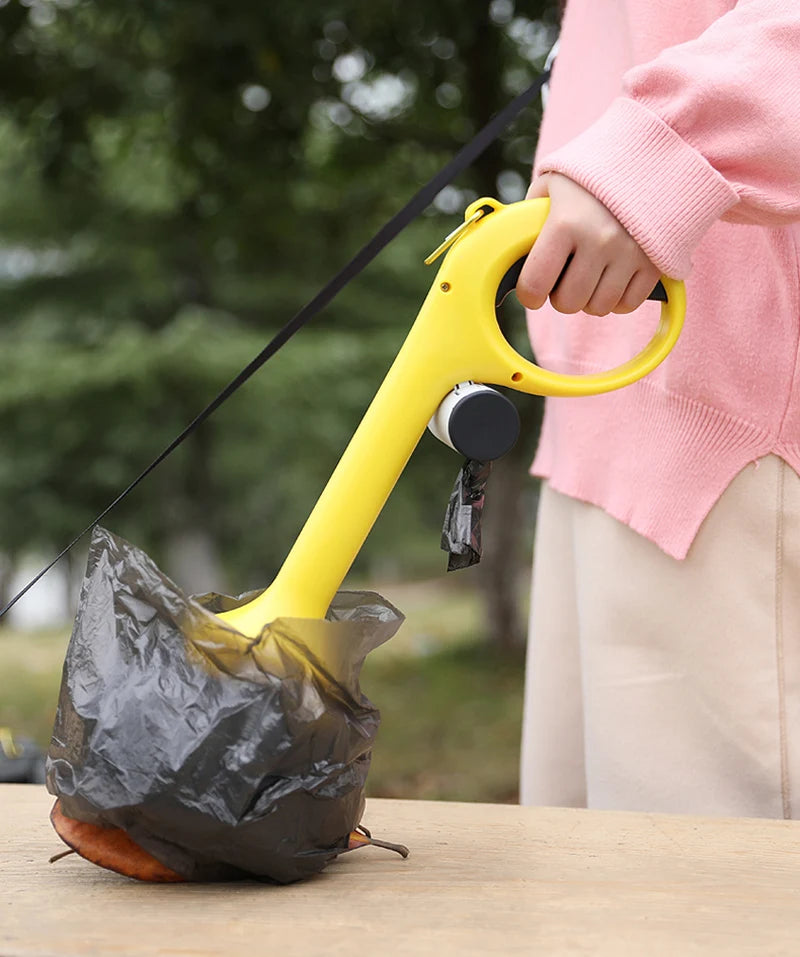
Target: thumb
x=539, y=188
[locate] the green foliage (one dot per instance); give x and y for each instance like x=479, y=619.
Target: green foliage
x=176, y=180
x=30, y=676
x=460, y=740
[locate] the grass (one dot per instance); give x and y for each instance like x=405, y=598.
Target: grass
x=451, y=708
x=450, y=725
x=30, y=674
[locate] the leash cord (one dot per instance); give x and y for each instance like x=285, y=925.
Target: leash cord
x=389, y=231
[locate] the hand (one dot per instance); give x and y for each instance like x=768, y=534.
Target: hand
x=608, y=271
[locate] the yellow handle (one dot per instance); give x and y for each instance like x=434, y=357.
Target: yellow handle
x=463, y=297
x=454, y=338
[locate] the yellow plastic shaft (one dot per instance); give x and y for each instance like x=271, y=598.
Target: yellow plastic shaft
x=454, y=338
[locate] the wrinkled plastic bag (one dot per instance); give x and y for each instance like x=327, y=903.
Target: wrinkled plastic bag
x=219, y=764
x=461, y=532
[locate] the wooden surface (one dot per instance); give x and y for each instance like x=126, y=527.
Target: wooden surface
x=481, y=879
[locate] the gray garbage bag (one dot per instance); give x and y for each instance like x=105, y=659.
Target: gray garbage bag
x=219, y=764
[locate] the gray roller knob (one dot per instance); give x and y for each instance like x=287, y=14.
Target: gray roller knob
x=477, y=421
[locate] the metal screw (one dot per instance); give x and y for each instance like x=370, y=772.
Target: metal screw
x=445, y=287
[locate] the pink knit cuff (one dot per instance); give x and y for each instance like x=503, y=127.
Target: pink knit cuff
x=665, y=193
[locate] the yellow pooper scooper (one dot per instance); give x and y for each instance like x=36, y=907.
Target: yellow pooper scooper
x=213, y=738
x=454, y=340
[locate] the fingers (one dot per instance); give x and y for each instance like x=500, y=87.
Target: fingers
x=577, y=281
x=577, y=285
x=582, y=279
x=543, y=267
x=638, y=289
x=610, y=290
x=584, y=260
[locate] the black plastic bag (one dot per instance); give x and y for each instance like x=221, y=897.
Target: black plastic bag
x=219, y=764
x=461, y=532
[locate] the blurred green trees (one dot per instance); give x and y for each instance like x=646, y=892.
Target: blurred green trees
x=176, y=180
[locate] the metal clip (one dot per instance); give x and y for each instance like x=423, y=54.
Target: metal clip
x=455, y=235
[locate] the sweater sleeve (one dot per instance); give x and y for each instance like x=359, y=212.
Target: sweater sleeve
x=709, y=129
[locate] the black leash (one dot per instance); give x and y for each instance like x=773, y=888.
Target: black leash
x=416, y=205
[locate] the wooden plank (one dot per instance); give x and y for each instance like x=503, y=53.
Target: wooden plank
x=481, y=879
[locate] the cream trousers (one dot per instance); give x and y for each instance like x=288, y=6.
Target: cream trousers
x=661, y=685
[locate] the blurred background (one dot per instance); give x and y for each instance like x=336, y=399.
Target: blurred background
x=176, y=181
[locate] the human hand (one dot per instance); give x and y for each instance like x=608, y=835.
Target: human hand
x=604, y=268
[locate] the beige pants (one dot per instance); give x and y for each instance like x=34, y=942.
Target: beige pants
x=659, y=685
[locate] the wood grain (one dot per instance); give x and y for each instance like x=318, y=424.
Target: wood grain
x=481, y=879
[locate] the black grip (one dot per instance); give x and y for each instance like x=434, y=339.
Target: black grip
x=509, y=283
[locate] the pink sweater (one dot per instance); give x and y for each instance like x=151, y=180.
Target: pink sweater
x=683, y=117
